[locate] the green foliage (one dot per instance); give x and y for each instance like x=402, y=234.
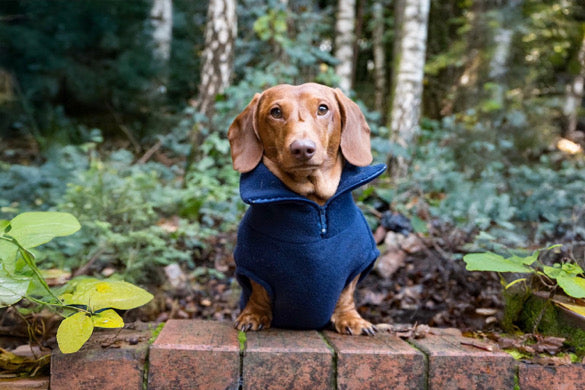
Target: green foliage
x=211, y=193
x=22, y=233
x=119, y=206
x=39, y=187
x=293, y=47
x=475, y=184
x=90, y=300
x=94, y=61
x=568, y=276
x=490, y=261
x=531, y=301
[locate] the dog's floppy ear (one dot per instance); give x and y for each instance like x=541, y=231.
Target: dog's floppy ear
x=245, y=146
x=355, y=132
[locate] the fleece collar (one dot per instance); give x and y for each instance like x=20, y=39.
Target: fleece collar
x=262, y=186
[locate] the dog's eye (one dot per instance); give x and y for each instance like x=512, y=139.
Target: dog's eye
x=322, y=110
x=276, y=113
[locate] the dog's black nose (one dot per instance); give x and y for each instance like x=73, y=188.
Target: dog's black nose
x=303, y=149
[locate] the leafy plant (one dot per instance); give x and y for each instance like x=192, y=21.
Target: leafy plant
x=95, y=301
x=120, y=205
x=533, y=301
x=91, y=301
x=470, y=182
x=40, y=187
x=568, y=276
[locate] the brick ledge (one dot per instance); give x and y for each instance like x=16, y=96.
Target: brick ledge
x=197, y=354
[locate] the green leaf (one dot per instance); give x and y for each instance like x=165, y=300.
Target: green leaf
x=3, y=225
x=552, y=272
x=98, y=294
x=29, y=259
x=12, y=289
x=527, y=260
x=107, y=319
x=567, y=279
x=419, y=225
x=572, y=269
x=74, y=331
x=490, y=261
x=36, y=228
x=574, y=286
x=8, y=251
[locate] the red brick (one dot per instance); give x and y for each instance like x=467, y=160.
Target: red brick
x=106, y=361
x=284, y=359
x=379, y=362
x=25, y=384
x=537, y=377
x=455, y=365
x=195, y=354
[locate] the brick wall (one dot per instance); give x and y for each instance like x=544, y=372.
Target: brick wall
x=194, y=354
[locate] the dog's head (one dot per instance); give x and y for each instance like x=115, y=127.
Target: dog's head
x=299, y=128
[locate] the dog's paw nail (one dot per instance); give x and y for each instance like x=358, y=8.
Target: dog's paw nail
x=348, y=331
x=260, y=327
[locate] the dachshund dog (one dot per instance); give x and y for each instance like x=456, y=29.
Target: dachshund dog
x=303, y=245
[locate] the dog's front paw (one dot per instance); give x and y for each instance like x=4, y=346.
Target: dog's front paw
x=248, y=320
x=350, y=322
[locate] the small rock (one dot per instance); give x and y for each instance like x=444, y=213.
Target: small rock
x=389, y=263
x=175, y=275
x=392, y=241
x=411, y=244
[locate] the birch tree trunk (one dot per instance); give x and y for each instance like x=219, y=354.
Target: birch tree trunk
x=344, y=43
x=161, y=20
x=575, y=94
x=218, y=55
x=508, y=17
x=379, y=57
x=408, y=72
x=161, y=17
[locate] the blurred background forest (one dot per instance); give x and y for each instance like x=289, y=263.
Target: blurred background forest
x=117, y=112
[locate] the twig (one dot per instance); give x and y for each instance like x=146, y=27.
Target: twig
x=478, y=345
x=124, y=129
x=149, y=152
x=82, y=270
x=544, y=307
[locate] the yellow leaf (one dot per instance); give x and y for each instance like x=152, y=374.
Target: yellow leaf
x=74, y=331
x=98, y=294
x=107, y=319
x=577, y=309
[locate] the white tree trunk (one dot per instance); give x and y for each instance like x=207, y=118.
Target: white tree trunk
x=217, y=65
x=161, y=18
x=575, y=94
x=410, y=49
x=379, y=57
x=499, y=60
x=498, y=65
x=344, y=42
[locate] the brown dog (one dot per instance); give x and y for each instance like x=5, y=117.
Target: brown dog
x=303, y=135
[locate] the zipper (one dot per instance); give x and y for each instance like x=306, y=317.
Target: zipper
x=323, y=220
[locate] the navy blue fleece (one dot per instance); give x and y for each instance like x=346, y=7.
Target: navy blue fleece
x=303, y=254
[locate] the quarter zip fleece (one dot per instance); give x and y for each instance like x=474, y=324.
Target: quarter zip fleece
x=302, y=253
